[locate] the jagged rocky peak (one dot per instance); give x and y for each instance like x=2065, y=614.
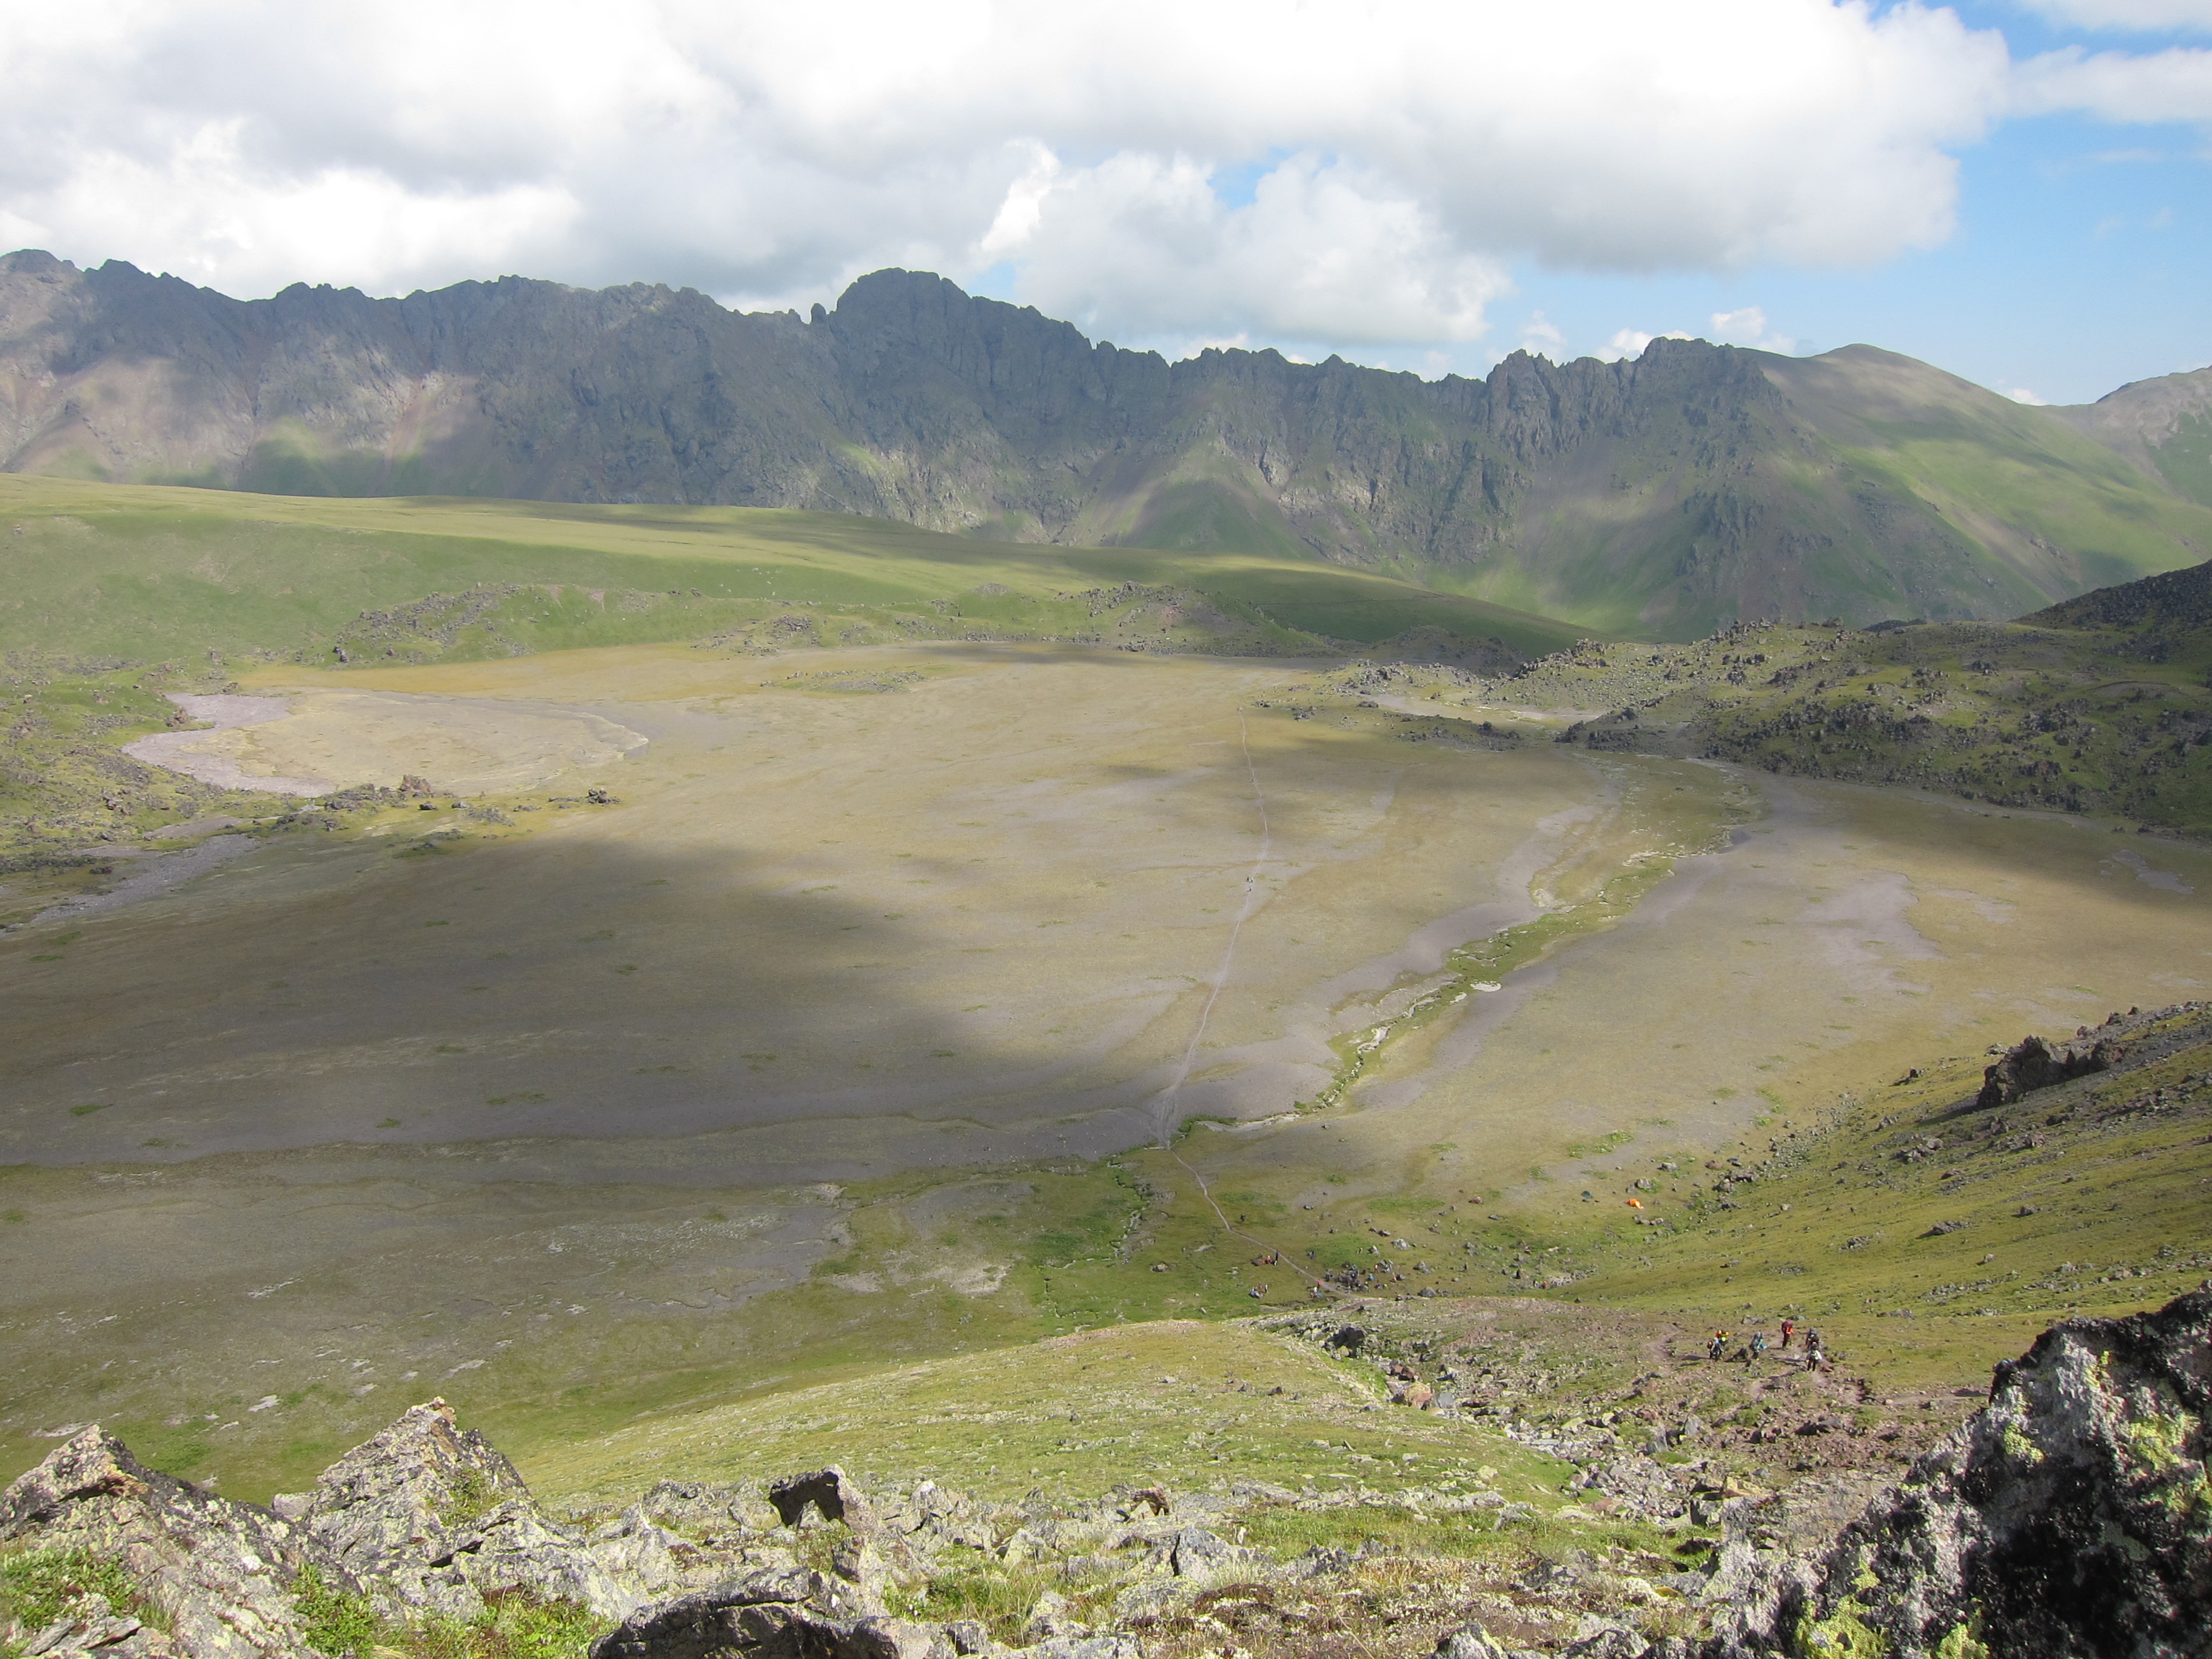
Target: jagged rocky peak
x=2069, y=1518
x=1690, y=486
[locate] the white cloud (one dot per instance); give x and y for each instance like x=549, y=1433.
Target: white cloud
x=1631, y=341
x=1747, y=327
x=1406, y=150
x=2173, y=85
x=2020, y=394
x=1542, y=337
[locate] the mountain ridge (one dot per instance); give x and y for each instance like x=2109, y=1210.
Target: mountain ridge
x=1666, y=495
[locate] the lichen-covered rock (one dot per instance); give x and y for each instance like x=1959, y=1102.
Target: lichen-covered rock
x=2070, y=1518
x=429, y=1517
x=215, y=1579
x=1467, y=1641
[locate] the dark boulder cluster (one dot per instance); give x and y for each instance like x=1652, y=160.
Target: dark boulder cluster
x=2033, y=1064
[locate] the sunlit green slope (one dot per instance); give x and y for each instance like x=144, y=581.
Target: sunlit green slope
x=154, y=571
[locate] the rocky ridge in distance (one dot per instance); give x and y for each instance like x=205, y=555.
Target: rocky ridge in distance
x=1683, y=489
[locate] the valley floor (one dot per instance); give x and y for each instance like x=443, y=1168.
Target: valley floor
x=915, y=1002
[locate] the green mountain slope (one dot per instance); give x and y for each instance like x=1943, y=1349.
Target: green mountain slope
x=2164, y=426
x=198, y=575
x=1684, y=490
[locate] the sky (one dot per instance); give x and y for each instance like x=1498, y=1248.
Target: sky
x=2018, y=191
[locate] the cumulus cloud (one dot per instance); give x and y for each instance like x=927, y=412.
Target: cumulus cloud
x=1631, y=341
x=2020, y=394
x=1542, y=337
x=1343, y=171
x=2173, y=85
x=1748, y=327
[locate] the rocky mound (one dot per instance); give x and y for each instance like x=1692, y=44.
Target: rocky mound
x=2033, y=1063
x=2070, y=1518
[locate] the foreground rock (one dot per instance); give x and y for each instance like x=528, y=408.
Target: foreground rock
x=211, y=1579
x=429, y=1517
x=2070, y=1517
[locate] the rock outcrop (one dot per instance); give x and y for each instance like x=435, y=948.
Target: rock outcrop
x=2071, y=1518
x=211, y=1579
x=2033, y=1063
x=429, y=1515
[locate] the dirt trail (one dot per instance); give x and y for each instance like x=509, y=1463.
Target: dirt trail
x=1163, y=1107
x=158, y=875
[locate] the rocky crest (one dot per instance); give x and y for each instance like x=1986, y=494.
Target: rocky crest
x=2070, y=1518
x=1691, y=486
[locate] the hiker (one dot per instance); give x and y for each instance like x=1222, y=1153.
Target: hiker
x=1718, y=1345
x=1757, y=1344
x=1813, y=1357
x=1788, y=1329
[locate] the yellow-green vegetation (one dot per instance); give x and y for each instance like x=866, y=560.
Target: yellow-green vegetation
x=42, y=1583
x=117, y=594
x=910, y=970
x=1186, y=1403
x=194, y=576
x=1925, y=1235
x=512, y=1625
x=63, y=782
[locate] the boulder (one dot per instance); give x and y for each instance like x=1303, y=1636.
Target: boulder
x=1467, y=1641
x=828, y=1492
x=776, y=1611
x=212, y=1579
x=429, y=1517
x=1614, y=1642
x=1114, y=1644
x=2070, y=1518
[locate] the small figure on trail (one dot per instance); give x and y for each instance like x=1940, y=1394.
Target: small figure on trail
x=1757, y=1344
x=1788, y=1330
x=1258, y=1292
x=1718, y=1345
x=1814, y=1358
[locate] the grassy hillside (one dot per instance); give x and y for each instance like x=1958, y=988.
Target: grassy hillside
x=2162, y=425
x=2100, y=705
x=1924, y=1236
x=115, y=593
x=194, y=575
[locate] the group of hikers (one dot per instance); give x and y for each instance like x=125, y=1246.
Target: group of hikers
x=1814, y=1357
